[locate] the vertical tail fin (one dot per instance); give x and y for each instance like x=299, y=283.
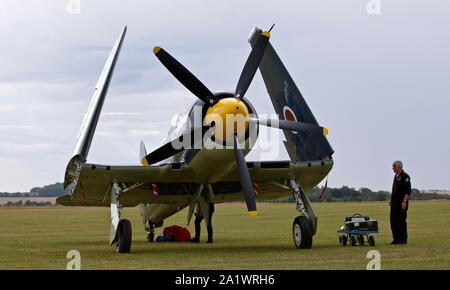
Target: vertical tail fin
x=142, y=154
x=289, y=104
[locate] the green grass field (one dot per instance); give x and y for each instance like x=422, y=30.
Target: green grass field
x=40, y=238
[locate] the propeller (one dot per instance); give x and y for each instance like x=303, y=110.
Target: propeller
x=195, y=86
x=246, y=180
x=183, y=75
x=291, y=126
x=168, y=149
x=222, y=107
x=251, y=66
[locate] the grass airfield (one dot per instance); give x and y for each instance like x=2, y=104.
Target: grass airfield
x=39, y=238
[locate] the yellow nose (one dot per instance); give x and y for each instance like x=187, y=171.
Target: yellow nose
x=230, y=117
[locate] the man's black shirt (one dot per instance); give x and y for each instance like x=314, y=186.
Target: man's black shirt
x=400, y=187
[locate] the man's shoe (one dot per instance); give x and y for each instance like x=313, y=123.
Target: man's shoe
x=403, y=242
x=394, y=242
x=195, y=240
x=209, y=241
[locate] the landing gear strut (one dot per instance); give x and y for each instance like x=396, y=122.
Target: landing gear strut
x=304, y=226
x=120, y=232
x=151, y=233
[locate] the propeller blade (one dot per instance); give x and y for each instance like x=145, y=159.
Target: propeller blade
x=183, y=75
x=292, y=126
x=246, y=181
x=168, y=149
x=252, y=64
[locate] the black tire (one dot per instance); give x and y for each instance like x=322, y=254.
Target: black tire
x=372, y=241
x=344, y=240
x=361, y=240
x=302, y=233
x=150, y=238
x=353, y=241
x=123, y=243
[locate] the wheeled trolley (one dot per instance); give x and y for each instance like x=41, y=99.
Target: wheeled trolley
x=358, y=229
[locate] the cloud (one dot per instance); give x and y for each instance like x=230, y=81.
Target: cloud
x=15, y=149
x=29, y=130
x=132, y=132
x=143, y=132
x=127, y=114
x=378, y=82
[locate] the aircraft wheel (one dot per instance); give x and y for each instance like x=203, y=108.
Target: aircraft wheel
x=123, y=243
x=150, y=237
x=361, y=240
x=371, y=241
x=353, y=241
x=302, y=233
x=344, y=240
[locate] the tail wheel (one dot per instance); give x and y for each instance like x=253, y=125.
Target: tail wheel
x=123, y=243
x=371, y=241
x=302, y=233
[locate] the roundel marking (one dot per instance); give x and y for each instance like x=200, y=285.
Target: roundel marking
x=289, y=114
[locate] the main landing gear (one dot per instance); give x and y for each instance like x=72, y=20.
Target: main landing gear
x=305, y=225
x=120, y=233
x=123, y=242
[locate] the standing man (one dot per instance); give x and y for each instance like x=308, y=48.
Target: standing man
x=199, y=216
x=401, y=191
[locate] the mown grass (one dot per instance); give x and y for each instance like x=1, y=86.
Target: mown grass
x=40, y=238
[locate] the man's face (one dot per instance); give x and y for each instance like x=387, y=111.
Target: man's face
x=396, y=168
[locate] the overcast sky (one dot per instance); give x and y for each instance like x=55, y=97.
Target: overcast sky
x=379, y=82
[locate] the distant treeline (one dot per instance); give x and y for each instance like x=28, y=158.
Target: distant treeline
x=28, y=203
x=52, y=190
x=344, y=193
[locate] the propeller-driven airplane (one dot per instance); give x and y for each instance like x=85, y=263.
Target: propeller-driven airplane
x=204, y=160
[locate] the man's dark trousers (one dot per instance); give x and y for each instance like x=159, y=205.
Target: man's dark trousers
x=398, y=223
x=198, y=220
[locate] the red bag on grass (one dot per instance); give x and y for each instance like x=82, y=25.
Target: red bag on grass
x=177, y=234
